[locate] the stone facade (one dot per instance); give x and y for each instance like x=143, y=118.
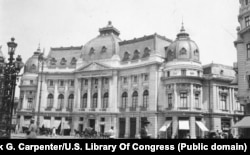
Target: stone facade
x=242, y=45
x=110, y=82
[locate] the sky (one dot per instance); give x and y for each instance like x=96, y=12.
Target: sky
x=56, y=23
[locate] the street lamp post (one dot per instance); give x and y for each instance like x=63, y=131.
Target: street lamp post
x=40, y=61
x=10, y=73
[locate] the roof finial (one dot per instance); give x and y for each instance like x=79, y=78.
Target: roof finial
x=182, y=26
x=109, y=23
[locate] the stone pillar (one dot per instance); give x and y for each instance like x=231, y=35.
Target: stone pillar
x=55, y=96
x=78, y=96
x=175, y=98
x=62, y=126
x=192, y=127
x=175, y=127
x=201, y=100
x=203, y=133
x=111, y=93
x=138, y=121
x=127, y=125
x=75, y=121
x=192, y=105
x=99, y=97
x=44, y=97
x=114, y=103
x=21, y=123
x=89, y=93
x=66, y=96
x=97, y=123
x=24, y=101
x=233, y=101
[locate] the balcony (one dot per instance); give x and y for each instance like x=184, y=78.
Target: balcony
x=143, y=108
x=92, y=109
x=48, y=108
x=183, y=108
x=122, y=109
x=132, y=108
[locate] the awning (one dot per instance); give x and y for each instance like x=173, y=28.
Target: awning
x=65, y=125
x=46, y=123
x=56, y=123
x=183, y=125
x=165, y=126
x=26, y=123
x=244, y=123
x=201, y=126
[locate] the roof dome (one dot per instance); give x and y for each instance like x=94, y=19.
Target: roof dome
x=104, y=46
x=183, y=48
x=31, y=65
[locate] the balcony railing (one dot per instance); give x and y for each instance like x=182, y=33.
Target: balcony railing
x=92, y=109
x=132, y=108
x=103, y=109
x=48, y=108
x=143, y=108
x=122, y=109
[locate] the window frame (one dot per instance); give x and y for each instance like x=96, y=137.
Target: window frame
x=184, y=100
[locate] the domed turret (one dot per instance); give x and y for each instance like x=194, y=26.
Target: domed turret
x=31, y=66
x=183, y=48
x=104, y=46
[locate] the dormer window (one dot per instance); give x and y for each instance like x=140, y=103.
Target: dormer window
x=33, y=67
x=221, y=72
x=136, y=55
x=53, y=61
x=196, y=52
x=104, y=49
x=183, y=51
x=126, y=56
x=91, y=51
x=63, y=61
x=73, y=61
x=146, y=52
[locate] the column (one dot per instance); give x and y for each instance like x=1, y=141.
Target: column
x=201, y=100
x=230, y=102
x=89, y=93
x=74, y=125
x=110, y=93
x=175, y=127
x=116, y=126
x=55, y=96
x=233, y=101
x=97, y=123
x=127, y=125
x=66, y=95
x=78, y=97
x=114, y=103
x=192, y=106
x=138, y=121
x=21, y=123
x=44, y=96
x=192, y=127
x=62, y=126
x=99, y=97
x=24, y=101
x=175, y=97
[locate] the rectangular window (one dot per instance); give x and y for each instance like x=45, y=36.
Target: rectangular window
x=86, y=82
x=96, y=81
x=135, y=79
x=170, y=100
x=223, y=101
x=197, y=100
x=61, y=83
x=168, y=74
x=183, y=72
x=51, y=83
x=248, y=51
x=106, y=80
x=72, y=83
x=145, y=77
x=247, y=19
x=31, y=82
x=30, y=102
x=183, y=100
x=125, y=80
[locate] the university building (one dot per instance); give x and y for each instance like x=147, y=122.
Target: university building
x=121, y=83
x=242, y=66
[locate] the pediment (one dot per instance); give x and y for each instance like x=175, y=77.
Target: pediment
x=94, y=67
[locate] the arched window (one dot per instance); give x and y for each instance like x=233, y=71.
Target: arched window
x=196, y=52
x=50, y=101
x=33, y=67
x=91, y=51
x=53, y=61
x=126, y=56
x=73, y=61
x=104, y=49
x=136, y=55
x=63, y=61
x=183, y=51
x=134, y=99
x=84, y=101
x=124, y=99
x=105, y=100
x=71, y=101
x=146, y=53
x=60, y=101
x=145, y=98
x=94, y=101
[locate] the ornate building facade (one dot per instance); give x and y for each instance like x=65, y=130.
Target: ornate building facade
x=121, y=83
x=242, y=45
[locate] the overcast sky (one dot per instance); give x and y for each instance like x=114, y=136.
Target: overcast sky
x=55, y=23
